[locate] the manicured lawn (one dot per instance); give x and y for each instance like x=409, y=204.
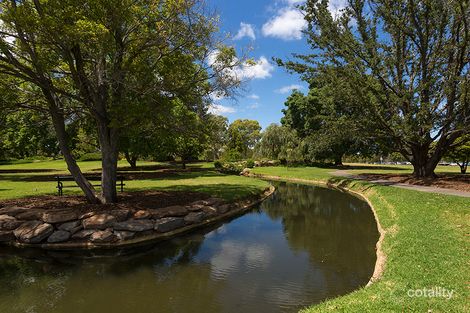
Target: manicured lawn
x=426, y=244
x=21, y=179
x=358, y=168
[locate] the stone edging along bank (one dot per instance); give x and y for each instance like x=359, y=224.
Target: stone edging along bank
x=381, y=257
x=65, y=230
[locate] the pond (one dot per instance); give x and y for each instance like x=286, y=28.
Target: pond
x=301, y=246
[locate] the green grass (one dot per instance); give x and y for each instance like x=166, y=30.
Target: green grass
x=426, y=245
x=22, y=179
x=358, y=168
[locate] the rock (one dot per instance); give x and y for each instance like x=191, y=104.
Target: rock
x=124, y=235
x=168, y=223
x=33, y=232
x=86, y=215
x=245, y=172
x=224, y=208
x=142, y=215
x=30, y=215
x=209, y=202
x=209, y=210
x=70, y=226
x=102, y=236
x=194, y=217
x=59, y=236
x=135, y=225
x=13, y=210
x=195, y=207
x=54, y=217
x=99, y=221
x=176, y=210
x=8, y=222
x=83, y=234
x=120, y=214
x=6, y=236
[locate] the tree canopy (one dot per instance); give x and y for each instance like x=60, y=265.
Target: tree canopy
x=406, y=66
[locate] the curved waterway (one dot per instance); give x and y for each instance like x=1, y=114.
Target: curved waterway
x=301, y=246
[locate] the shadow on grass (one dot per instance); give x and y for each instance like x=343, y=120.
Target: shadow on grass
x=226, y=191
x=168, y=174
x=20, y=171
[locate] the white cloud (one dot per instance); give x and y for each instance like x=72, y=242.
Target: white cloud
x=253, y=96
x=287, y=24
x=261, y=69
x=246, y=30
x=335, y=7
x=220, y=109
x=253, y=106
x=252, y=69
x=287, y=89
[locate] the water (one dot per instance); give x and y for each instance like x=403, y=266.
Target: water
x=303, y=245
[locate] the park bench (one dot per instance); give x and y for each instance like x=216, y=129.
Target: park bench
x=61, y=179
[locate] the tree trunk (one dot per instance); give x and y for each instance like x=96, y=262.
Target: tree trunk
x=423, y=164
x=463, y=167
x=72, y=166
x=109, y=151
x=339, y=160
x=132, y=160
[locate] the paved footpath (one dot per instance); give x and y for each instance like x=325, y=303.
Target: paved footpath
x=384, y=182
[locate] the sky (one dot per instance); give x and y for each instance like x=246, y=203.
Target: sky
x=266, y=29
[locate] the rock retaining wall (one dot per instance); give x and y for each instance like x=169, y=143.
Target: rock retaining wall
x=65, y=229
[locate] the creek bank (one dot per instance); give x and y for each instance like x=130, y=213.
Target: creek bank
x=62, y=229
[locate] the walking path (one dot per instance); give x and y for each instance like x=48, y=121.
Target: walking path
x=384, y=182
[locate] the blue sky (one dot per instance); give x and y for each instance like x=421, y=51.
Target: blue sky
x=269, y=28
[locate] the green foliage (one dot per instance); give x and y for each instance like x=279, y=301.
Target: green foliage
x=460, y=153
x=243, y=135
x=216, y=127
x=91, y=156
x=279, y=143
x=231, y=155
x=232, y=168
x=401, y=67
x=250, y=163
x=25, y=134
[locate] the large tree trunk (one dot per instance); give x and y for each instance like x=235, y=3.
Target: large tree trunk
x=72, y=166
x=424, y=164
x=109, y=152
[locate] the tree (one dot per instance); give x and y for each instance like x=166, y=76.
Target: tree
x=108, y=61
x=279, y=143
x=460, y=153
x=243, y=134
x=321, y=119
x=216, y=127
x=407, y=63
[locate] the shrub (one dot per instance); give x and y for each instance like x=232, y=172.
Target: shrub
x=218, y=164
x=92, y=156
x=250, y=163
x=229, y=167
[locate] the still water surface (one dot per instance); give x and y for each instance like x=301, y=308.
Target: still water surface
x=301, y=246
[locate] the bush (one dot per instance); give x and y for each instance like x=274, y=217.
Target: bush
x=231, y=156
x=92, y=156
x=229, y=167
x=250, y=163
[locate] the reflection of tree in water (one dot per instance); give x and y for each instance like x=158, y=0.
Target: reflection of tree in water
x=163, y=279
x=337, y=230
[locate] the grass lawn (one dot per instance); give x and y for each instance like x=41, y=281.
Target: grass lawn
x=22, y=179
x=358, y=168
x=426, y=244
